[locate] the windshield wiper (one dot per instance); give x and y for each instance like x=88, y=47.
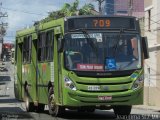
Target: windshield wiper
x=90, y=42
x=117, y=44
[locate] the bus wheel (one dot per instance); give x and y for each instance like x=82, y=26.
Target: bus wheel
x=29, y=106
x=40, y=108
x=122, y=110
x=54, y=109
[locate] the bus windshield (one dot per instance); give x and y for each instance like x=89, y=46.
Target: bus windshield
x=102, y=51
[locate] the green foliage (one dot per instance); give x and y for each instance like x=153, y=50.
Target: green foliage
x=86, y=9
x=70, y=10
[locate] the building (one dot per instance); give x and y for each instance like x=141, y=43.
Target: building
x=152, y=31
x=109, y=7
x=6, y=50
x=124, y=7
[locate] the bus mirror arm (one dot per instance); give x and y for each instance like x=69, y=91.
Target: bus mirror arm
x=61, y=45
x=145, y=47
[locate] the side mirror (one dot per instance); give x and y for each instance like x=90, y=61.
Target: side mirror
x=60, y=44
x=145, y=47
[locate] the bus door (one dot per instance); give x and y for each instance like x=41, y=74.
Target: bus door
x=34, y=70
x=18, y=72
x=58, y=69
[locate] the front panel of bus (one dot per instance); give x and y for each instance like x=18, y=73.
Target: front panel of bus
x=102, y=62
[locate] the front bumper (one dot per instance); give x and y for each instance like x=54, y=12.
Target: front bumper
x=79, y=98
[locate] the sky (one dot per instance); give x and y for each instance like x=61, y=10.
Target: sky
x=23, y=13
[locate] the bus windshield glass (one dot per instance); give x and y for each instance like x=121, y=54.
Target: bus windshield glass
x=102, y=51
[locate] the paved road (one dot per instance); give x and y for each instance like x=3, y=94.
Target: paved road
x=11, y=109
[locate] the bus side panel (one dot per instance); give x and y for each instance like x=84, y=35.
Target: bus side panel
x=32, y=72
x=43, y=79
x=29, y=75
x=18, y=80
x=57, y=73
x=27, y=78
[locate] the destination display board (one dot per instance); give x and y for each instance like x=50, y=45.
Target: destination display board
x=101, y=23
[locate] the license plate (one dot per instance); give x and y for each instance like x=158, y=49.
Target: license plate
x=107, y=98
x=93, y=88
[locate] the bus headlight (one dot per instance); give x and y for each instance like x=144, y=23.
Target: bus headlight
x=138, y=83
x=69, y=84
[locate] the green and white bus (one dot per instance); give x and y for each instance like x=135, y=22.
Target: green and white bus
x=81, y=62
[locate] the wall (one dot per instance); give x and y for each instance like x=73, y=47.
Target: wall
x=152, y=78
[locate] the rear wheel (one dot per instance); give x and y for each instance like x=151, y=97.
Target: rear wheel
x=29, y=105
x=54, y=109
x=122, y=110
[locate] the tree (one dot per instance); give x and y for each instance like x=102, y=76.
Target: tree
x=86, y=9
x=70, y=10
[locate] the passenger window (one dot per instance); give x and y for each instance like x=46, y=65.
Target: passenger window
x=27, y=47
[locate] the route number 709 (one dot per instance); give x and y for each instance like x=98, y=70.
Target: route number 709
x=101, y=23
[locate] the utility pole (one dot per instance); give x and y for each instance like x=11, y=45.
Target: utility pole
x=3, y=27
x=99, y=5
x=130, y=9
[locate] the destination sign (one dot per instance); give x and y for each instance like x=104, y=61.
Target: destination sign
x=101, y=22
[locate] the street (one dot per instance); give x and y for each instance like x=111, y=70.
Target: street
x=12, y=109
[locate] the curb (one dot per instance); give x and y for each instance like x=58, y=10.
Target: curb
x=147, y=107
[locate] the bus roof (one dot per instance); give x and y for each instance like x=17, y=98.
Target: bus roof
x=41, y=27
x=60, y=22
x=96, y=16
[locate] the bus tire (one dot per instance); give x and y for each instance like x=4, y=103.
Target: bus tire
x=54, y=109
x=40, y=108
x=122, y=110
x=29, y=105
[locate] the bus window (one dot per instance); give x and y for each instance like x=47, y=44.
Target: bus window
x=41, y=47
x=134, y=46
x=27, y=49
x=49, y=45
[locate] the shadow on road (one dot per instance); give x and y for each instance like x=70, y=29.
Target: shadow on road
x=8, y=113
x=74, y=115
x=9, y=110
x=3, y=70
x=4, y=96
x=105, y=115
x=4, y=79
x=9, y=100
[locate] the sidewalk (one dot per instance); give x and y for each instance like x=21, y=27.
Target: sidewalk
x=144, y=107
